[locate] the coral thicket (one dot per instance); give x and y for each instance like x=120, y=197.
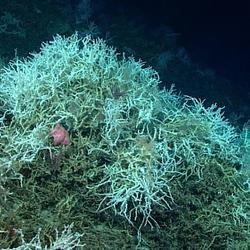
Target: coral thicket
x=150, y=156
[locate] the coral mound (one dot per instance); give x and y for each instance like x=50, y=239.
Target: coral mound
x=129, y=140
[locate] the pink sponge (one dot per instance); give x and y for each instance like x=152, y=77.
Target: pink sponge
x=60, y=135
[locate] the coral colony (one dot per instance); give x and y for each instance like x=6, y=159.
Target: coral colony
x=148, y=156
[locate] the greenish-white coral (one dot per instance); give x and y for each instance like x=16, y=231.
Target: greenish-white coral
x=66, y=240
x=137, y=137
